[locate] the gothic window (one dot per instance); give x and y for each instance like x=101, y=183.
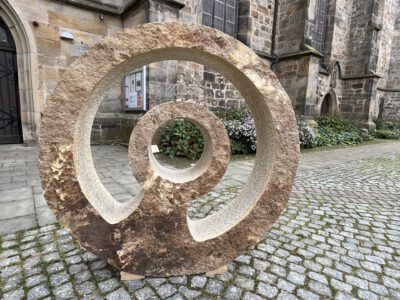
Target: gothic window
x=221, y=14
x=320, y=20
x=6, y=40
x=3, y=35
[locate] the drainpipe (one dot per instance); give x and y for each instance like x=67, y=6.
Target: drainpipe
x=274, y=26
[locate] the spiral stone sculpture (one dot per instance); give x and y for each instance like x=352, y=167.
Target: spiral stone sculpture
x=150, y=234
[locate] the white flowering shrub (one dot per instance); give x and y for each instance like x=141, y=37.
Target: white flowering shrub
x=241, y=130
x=307, y=135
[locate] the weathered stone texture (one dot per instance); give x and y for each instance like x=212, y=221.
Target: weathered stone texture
x=290, y=30
x=293, y=75
x=73, y=189
x=338, y=28
x=360, y=37
x=255, y=19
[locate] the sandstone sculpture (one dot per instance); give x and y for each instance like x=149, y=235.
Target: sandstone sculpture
x=151, y=234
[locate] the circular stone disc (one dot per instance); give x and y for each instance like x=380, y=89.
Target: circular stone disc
x=142, y=240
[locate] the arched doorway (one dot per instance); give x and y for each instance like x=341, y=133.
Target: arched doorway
x=10, y=118
x=329, y=104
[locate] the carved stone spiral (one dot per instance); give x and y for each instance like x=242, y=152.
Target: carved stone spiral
x=151, y=234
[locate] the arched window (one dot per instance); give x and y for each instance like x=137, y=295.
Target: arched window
x=6, y=40
x=320, y=25
x=221, y=15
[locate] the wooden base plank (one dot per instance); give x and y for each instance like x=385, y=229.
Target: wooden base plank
x=219, y=271
x=128, y=276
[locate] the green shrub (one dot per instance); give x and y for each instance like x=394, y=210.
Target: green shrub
x=183, y=139
x=387, y=124
x=328, y=137
x=332, y=131
x=336, y=123
x=391, y=134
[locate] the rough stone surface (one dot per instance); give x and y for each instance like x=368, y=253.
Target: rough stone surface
x=64, y=154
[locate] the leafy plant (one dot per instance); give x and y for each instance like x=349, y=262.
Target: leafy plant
x=332, y=131
x=182, y=139
x=391, y=134
x=387, y=124
x=336, y=123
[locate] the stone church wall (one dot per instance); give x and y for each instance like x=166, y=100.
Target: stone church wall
x=359, y=39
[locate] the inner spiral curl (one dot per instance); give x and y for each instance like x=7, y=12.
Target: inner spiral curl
x=200, y=178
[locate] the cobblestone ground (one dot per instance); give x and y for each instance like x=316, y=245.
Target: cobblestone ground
x=338, y=238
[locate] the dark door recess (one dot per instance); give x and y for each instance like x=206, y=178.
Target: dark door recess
x=10, y=119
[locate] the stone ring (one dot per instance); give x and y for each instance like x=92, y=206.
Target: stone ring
x=151, y=235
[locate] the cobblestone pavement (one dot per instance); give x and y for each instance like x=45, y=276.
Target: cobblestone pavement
x=338, y=238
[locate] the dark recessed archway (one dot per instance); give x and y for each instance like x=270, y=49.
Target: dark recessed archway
x=329, y=105
x=10, y=119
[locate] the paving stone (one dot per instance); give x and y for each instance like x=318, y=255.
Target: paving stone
x=214, y=286
x=198, y=281
x=101, y=275
x=65, y=291
x=166, y=290
x=344, y=296
x=56, y=267
x=144, y=293
x=391, y=283
x=296, y=278
x=341, y=286
x=156, y=282
x=318, y=277
x=10, y=271
x=367, y=295
x=178, y=279
x=189, y=293
x=233, y=293
x=266, y=277
x=5, y=262
x=246, y=270
x=85, y=288
x=267, y=290
x=358, y=282
x=11, y=283
x=96, y=265
x=245, y=283
x=35, y=280
x=367, y=275
x=59, y=279
x=320, y=288
x=108, y=285
x=307, y=295
x=15, y=294
x=83, y=276
x=286, y=296
x=285, y=285
x=119, y=294
x=38, y=292
x=371, y=266
x=378, y=289
x=251, y=296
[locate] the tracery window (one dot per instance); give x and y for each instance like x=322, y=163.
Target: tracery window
x=320, y=25
x=221, y=14
x=6, y=40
